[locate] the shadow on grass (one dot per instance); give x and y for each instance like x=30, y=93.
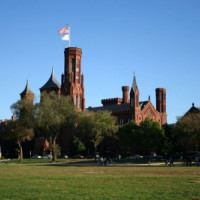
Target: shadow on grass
x=94, y=164
x=89, y=163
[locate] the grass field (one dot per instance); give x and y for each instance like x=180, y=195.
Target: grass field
x=32, y=182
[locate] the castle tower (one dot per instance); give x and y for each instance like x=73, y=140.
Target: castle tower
x=125, y=90
x=161, y=100
x=27, y=93
x=134, y=100
x=161, y=104
x=72, y=81
x=51, y=85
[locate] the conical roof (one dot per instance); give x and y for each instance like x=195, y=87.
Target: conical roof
x=27, y=89
x=51, y=83
x=134, y=85
x=193, y=109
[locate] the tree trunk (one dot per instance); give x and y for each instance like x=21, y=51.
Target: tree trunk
x=20, y=152
x=95, y=153
x=54, y=150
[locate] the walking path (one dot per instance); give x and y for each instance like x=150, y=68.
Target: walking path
x=112, y=164
x=116, y=164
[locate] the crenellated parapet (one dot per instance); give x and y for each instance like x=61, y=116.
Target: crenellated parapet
x=112, y=101
x=126, y=109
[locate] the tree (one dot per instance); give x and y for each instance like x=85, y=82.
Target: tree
x=144, y=138
x=129, y=136
x=22, y=128
x=187, y=131
x=54, y=113
x=169, y=144
x=152, y=136
x=78, y=146
x=96, y=126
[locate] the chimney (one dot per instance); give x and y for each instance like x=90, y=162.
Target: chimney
x=125, y=91
x=161, y=100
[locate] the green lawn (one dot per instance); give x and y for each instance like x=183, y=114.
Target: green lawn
x=32, y=182
x=45, y=160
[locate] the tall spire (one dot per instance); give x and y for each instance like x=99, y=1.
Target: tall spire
x=27, y=89
x=53, y=73
x=52, y=82
x=27, y=93
x=134, y=85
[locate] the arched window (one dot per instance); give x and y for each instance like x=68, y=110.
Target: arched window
x=79, y=98
x=75, y=99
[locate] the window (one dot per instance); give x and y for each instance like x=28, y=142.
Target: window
x=163, y=108
x=77, y=62
x=121, y=122
x=74, y=99
x=131, y=102
x=73, y=65
x=77, y=79
x=78, y=101
x=137, y=100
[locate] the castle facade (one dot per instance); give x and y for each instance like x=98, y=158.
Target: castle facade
x=130, y=107
x=72, y=83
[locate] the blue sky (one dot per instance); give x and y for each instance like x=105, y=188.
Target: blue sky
x=159, y=40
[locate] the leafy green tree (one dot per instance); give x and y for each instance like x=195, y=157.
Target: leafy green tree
x=187, y=132
x=96, y=126
x=20, y=134
x=78, y=146
x=54, y=113
x=128, y=136
x=22, y=128
x=146, y=137
x=152, y=136
x=169, y=145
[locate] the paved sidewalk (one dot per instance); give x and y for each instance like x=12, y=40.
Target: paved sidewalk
x=116, y=164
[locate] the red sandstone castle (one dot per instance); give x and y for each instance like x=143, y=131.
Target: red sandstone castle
x=72, y=81
x=72, y=84
x=126, y=108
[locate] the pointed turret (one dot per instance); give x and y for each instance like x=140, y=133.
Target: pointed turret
x=134, y=94
x=134, y=100
x=134, y=85
x=51, y=85
x=27, y=93
x=27, y=89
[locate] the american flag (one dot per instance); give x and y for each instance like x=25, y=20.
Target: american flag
x=64, y=30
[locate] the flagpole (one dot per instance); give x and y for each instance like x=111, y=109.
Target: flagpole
x=69, y=35
x=65, y=32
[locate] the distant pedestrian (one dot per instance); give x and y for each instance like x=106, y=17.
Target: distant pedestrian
x=197, y=161
x=108, y=160
x=149, y=161
x=188, y=161
x=99, y=161
x=171, y=161
x=102, y=160
x=166, y=162
x=105, y=161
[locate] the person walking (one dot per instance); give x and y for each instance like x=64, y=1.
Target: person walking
x=171, y=161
